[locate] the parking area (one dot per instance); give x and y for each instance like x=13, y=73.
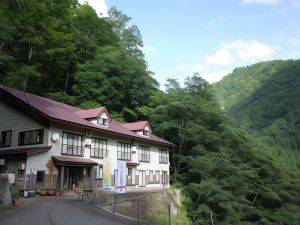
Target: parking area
x=60, y=211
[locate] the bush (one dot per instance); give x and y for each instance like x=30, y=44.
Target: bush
x=14, y=192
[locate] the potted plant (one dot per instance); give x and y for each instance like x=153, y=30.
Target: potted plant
x=43, y=191
x=15, y=195
x=50, y=191
x=57, y=193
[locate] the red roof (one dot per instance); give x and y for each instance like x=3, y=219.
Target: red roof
x=90, y=113
x=136, y=126
x=26, y=151
x=73, y=160
x=63, y=113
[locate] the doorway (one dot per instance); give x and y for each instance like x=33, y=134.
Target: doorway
x=142, y=178
x=76, y=177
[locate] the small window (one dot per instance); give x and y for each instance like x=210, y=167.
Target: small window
x=100, y=171
x=5, y=138
x=31, y=137
x=99, y=148
x=124, y=151
x=157, y=176
x=40, y=176
x=72, y=144
x=144, y=153
x=102, y=121
x=151, y=177
x=146, y=132
x=163, y=156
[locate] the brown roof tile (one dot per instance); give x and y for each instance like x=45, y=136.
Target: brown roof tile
x=63, y=113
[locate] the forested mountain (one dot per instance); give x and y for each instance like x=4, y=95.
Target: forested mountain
x=264, y=99
x=62, y=50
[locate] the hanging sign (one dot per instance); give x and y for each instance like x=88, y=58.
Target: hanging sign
x=107, y=173
x=121, y=179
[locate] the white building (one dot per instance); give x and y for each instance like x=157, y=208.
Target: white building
x=50, y=144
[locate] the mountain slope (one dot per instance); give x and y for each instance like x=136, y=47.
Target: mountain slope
x=264, y=99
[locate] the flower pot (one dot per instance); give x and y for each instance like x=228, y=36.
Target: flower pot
x=43, y=192
x=57, y=193
x=50, y=192
x=16, y=202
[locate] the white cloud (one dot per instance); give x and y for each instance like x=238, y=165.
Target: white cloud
x=98, y=5
x=213, y=77
x=213, y=67
x=260, y=2
x=221, y=57
x=250, y=50
x=295, y=41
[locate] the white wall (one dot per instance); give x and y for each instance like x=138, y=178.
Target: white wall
x=17, y=121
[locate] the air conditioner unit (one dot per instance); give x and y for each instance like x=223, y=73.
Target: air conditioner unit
x=88, y=141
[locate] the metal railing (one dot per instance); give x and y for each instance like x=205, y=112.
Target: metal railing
x=136, y=205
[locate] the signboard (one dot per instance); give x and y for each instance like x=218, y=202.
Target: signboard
x=2, y=162
x=121, y=178
x=107, y=173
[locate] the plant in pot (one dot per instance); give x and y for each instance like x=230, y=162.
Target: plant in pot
x=15, y=195
x=43, y=192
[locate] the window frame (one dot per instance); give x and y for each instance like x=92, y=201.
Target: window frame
x=1, y=136
x=157, y=178
x=104, y=150
x=151, y=182
x=163, y=158
x=144, y=154
x=78, y=147
x=36, y=180
x=104, y=121
x=146, y=132
x=41, y=141
x=120, y=154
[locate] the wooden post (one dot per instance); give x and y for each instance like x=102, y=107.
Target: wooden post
x=138, y=210
x=62, y=171
x=169, y=214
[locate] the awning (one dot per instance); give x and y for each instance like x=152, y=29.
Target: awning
x=25, y=151
x=132, y=164
x=73, y=161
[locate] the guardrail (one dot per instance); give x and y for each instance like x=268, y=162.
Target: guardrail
x=141, y=206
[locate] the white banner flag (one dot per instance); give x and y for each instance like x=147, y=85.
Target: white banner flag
x=121, y=179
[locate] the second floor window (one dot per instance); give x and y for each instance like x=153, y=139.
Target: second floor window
x=144, y=154
x=163, y=156
x=98, y=148
x=146, y=132
x=124, y=151
x=72, y=144
x=102, y=121
x=5, y=138
x=31, y=137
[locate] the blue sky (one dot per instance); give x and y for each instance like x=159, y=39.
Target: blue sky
x=212, y=37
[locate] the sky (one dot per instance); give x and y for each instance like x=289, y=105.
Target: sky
x=211, y=37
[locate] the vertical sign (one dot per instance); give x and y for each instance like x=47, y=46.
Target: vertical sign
x=121, y=179
x=107, y=173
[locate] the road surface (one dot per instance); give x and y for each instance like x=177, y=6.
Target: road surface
x=61, y=211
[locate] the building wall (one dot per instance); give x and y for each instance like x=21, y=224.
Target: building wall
x=17, y=121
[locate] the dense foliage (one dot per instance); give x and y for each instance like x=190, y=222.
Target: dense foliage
x=264, y=99
x=63, y=50
x=229, y=178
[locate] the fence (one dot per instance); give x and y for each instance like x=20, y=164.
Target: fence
x=151, y=207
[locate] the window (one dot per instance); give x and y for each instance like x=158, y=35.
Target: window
x=151, y=178
x=40, y=175
x=72, y=144
x=102, y=121
x=144, y=154
x=157, y=176
x=100, y=171
x=163, y=156
x=31, y=137
x=130, y=177
x=5, y=138
x=124, y=151
x=98, y=148
x=146, y=132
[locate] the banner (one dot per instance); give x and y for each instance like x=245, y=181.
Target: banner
x=107, y=173
x=121, y=178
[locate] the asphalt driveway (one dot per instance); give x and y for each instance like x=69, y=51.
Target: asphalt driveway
x=61, y=211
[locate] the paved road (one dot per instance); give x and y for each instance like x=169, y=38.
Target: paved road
x=61, y=211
